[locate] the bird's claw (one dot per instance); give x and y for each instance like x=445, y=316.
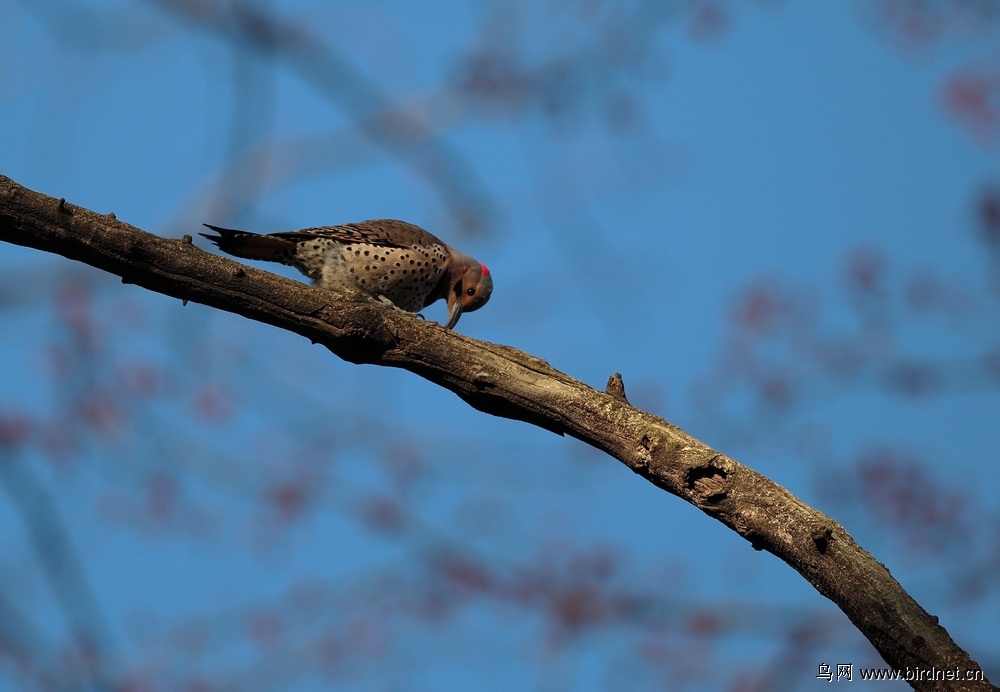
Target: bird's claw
x=386, y=301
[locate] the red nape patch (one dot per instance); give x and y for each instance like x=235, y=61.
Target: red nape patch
x=486, y=270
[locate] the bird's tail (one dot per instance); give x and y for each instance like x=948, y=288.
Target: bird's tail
x=252, y=246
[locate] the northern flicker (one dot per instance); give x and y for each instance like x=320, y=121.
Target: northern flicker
x=386, y=259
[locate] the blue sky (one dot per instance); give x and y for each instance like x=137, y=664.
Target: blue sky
x=763, y=155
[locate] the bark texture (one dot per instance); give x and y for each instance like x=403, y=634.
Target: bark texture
x=504, y=381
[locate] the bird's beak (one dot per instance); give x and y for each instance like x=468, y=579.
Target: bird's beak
x=454, y=311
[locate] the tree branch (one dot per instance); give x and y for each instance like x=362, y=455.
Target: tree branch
x=503, y=381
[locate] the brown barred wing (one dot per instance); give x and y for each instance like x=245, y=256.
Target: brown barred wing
x=381, y=233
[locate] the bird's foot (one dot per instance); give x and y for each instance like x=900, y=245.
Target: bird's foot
x=386, y=301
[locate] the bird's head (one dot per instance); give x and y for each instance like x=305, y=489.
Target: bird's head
x=469, y=290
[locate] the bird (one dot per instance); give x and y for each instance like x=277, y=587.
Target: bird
x=389, y=260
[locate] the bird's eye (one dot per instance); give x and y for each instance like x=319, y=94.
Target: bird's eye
x=471, y=292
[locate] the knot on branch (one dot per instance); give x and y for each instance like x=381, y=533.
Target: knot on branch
x=616, y=388
x=822, y=539
x=644, y=455
x=708, y=481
